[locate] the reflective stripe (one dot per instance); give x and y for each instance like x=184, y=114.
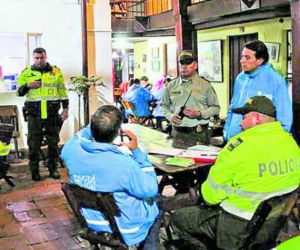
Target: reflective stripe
x=106, y=223
x=44, y=113
x=263, y=195
x=216, y=186
x=246, y=194
x=128, y=231
x=258, y=196
x=53, y=85
x=48, y=98
x=236, y=211
x=148, y=169
x=97, y=222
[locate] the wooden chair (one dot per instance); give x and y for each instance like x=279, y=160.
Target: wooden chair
x=270, y=217
x=104, y=202
x=129, y=107
x=9, y=115
x=78, y=197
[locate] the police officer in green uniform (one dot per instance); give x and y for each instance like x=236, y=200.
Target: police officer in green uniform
x=261, y=162
x=188, y=103
x=43, y=85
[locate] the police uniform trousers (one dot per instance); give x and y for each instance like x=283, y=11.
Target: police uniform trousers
x=184, y=137
x=204, y=227
x=37, y=129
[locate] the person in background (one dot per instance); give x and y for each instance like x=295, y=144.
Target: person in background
x=259, y=163
x=124, y=88
x=43, y=85
x=95, y=163
x=158, y=85
x=145, y=84
x=258, y=78
x=157, y=111
x=139, y=97
x=188, y=103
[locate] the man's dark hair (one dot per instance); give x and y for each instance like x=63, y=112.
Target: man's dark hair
x=105, y=123
x=144, y=78
x=260, y=49
x=39, y=51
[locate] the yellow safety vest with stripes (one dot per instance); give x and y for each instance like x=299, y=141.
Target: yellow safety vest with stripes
x=257, y=164
x=52, y=84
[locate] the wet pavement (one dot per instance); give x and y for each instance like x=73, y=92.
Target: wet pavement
x=36, y=216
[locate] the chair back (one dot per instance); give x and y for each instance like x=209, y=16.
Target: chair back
x=128, y=106
x=268, y=220
x=79, y=197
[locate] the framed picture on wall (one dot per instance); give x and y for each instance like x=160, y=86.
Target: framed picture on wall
x=273, y=49
x=155, y=66
x=210, y=60
x=144, y=58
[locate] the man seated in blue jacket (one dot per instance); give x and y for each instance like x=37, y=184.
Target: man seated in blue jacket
x=139, y=97
x=95, y=163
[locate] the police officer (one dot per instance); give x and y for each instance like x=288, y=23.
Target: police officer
x=261, y=162
x=43, y=85
x=189, y=101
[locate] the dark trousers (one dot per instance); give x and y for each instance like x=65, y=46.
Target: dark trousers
x=186, y=137
x=37, y=129
x=210, y=227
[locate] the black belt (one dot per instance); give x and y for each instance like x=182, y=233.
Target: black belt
x=199, y=128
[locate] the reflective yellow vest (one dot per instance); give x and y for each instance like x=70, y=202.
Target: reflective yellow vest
x=257, y=164
x=52, y=84
x=291, y=244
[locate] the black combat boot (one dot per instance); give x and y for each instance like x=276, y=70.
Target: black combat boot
x=54, y=174
x=35, y=175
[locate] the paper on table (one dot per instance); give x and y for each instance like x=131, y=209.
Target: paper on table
x=198, y=156
x=166, y=151
x=205, y=148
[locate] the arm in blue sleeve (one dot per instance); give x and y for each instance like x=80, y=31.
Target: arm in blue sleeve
x=142, y=182
x=283, y=104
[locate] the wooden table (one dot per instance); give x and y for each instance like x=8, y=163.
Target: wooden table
x=182, y=179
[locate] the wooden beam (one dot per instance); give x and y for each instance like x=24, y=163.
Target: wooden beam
x=241, y=18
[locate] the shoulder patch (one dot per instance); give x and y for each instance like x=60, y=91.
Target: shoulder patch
x=25, y=69
x=54, y=66
x=204, y=78
x=234, y=144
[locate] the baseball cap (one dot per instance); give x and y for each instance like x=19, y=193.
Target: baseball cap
x=260, y=104
x=187, y=57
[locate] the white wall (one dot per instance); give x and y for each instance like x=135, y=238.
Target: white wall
x=59, y=21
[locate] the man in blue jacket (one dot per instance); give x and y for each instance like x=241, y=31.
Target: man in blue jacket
x=139, y=97
x=258, y=78
x=95, y=163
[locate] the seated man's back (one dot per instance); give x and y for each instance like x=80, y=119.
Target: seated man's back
x=140, y=99
x=101, y=166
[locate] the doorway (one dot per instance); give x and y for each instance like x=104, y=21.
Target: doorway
x=236, y=45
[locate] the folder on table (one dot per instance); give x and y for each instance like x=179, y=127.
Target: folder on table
x=199, y=156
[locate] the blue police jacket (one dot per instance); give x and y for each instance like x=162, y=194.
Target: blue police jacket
x=140, y=99
x=131, y=179
x=265, y=81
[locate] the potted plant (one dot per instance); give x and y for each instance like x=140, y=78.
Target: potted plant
x=81, y=85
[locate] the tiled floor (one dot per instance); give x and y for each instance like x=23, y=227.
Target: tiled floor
x=35, y=215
